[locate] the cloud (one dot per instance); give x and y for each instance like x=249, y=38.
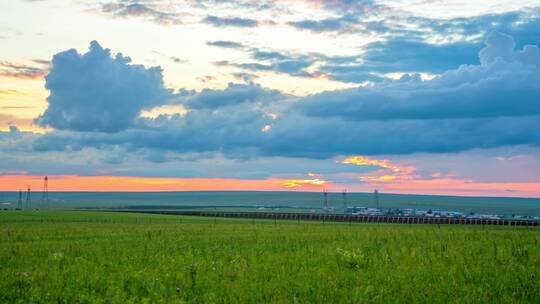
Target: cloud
x=295, y=68
x=341, y=24
x=21, y=71
x=43, y=62
x=225, y=44
x=406, y=55
x=388, y=171
x=16, y=142
x=272, y=60
x=366, y=161
x=407, y=43
x=139, y=10
x=234, y=94
x=504, y=84
x=404, y=43
x=297, y=183
x=10, y=92
x=230, y=21
x=501, y=47
x=228, y=120
x=172, y=58
x=98, y=92
x=493, y=104
x=177, y=60
x=245, y=77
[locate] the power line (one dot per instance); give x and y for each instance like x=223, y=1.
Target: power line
x=45, y=197
x=325, y=194
x=344, y=199
x=19, y=203
x=28, y=199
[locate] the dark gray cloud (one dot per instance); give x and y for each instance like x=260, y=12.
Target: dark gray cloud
x=98, y=92
x=230, y=21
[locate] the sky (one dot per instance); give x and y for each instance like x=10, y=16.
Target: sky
x=405, y=96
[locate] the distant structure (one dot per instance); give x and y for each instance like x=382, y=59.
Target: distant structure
x=28, y=199
x=19, y=203
x=376, y=198
x=344, y=199
x=325, y=194
x=45, y=197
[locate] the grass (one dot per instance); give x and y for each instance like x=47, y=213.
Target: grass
x=106, y=257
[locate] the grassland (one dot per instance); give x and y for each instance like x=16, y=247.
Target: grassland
x=93, y=257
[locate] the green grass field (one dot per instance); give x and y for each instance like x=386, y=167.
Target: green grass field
x=102, y=257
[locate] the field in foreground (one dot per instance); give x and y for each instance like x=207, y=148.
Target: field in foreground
x=117, y=258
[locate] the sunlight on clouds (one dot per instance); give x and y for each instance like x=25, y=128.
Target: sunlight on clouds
x=21, y=101
x=295, y=183
x=382, y=178
x=167, y=110
x=511, y=158
x=457, y=8
x=272, y=115
x=397, y=172
x=266, y=128
x=398, y=75
x=22, y=98
x=383, y=163
x=300, y=86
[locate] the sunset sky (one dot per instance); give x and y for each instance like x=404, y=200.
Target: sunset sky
x=406, y=96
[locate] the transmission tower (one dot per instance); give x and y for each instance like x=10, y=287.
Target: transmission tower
x=376, y=198
x=45, y=198
x=344, y=199
x=28, y=199
x=325, y=194
x=19, y=203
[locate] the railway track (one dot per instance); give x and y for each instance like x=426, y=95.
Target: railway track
x=351, y=218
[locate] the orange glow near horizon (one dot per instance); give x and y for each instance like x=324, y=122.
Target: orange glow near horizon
x=137, y=183
x=442, y=186
x=460, y=187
